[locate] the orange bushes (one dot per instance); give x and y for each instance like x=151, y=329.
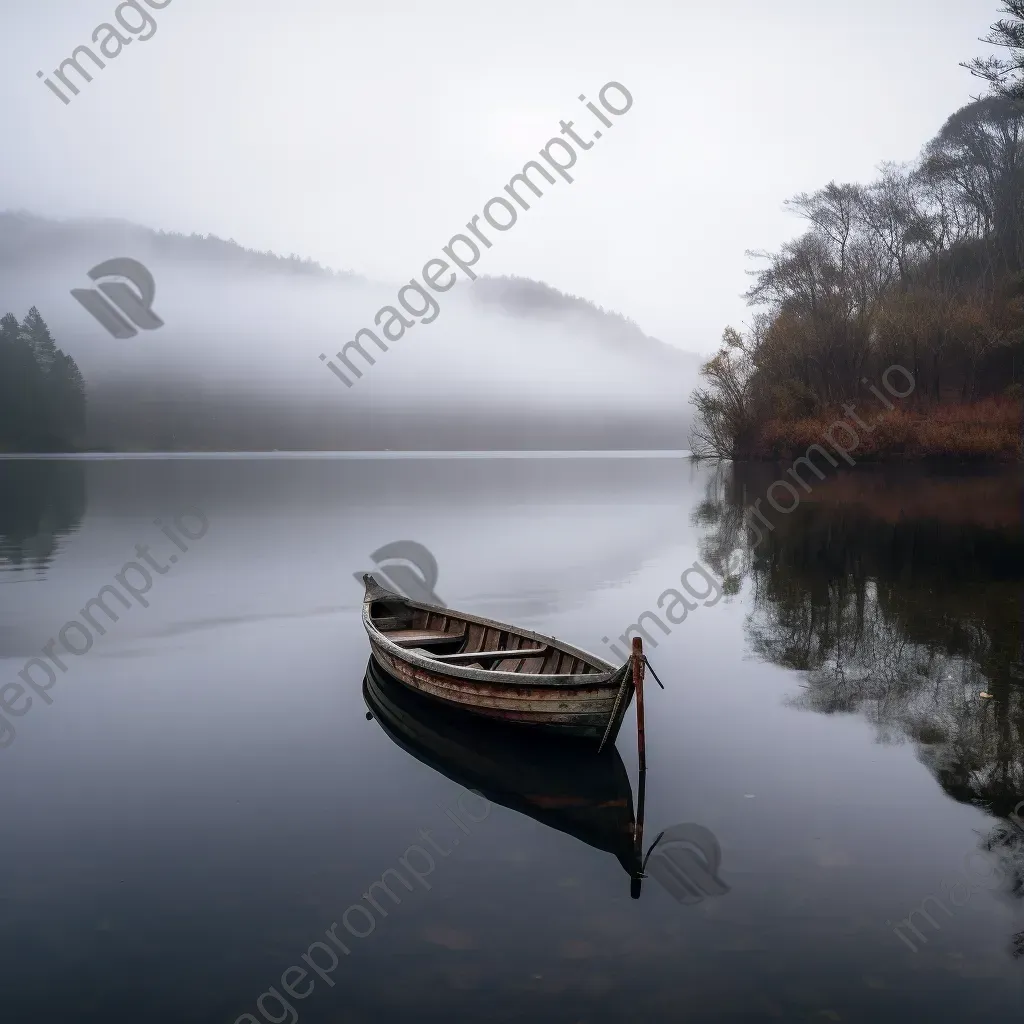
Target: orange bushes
x=989, y=429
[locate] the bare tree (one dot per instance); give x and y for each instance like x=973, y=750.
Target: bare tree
x=724, y=416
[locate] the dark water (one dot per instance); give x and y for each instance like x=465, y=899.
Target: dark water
x=199, y=797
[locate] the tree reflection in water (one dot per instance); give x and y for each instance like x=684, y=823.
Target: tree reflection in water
x=897, y=592
x=39, y=501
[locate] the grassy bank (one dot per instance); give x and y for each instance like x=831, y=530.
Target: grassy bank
x=989, y=430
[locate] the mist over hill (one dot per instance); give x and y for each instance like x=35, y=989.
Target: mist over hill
x=507, y=362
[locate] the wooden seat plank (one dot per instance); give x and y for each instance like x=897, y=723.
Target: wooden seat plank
x=417, y=637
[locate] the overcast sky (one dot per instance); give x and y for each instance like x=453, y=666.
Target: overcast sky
x=364, y=136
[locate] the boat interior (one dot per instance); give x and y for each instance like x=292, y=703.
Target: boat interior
x=450, y=639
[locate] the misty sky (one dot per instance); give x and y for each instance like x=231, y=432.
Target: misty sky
x=364, y=136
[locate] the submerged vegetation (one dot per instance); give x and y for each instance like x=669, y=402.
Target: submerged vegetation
x=922, y=268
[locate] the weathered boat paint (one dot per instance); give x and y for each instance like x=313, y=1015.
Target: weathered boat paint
x=587, y=702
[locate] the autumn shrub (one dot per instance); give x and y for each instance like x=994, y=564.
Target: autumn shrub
x=988, y=429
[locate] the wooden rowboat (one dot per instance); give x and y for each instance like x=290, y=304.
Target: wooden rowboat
x=495, y=670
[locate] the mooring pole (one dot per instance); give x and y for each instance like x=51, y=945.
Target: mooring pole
x=638, y=826
x=638, y=685
x=638, y=836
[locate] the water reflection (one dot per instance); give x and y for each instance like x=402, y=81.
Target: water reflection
x=576, y=791
x=571, y=789
x=39, y=502
x=897, y=593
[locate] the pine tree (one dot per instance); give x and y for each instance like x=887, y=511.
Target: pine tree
x=22, y=406
x=37, y=334
x=1005, y=74
x=42, y=392
x=65, y=392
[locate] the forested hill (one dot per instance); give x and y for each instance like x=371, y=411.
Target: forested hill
x=24, y=236
x=522, y=296
x=509, y=363
x=918, y=273
x=923, y=269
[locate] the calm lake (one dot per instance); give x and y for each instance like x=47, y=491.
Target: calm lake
x=198, y=797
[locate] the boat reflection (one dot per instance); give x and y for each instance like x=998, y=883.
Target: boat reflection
x=565, y=786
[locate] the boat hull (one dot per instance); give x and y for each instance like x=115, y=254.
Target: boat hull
x=584, y=713
x=587, y=704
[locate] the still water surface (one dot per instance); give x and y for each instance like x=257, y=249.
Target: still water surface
x=204, y=797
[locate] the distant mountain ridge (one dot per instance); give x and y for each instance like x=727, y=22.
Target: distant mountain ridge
x=523, y=296
x=21, y=232
x=510, y=363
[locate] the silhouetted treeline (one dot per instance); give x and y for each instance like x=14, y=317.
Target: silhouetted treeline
x=42, y=393
x=25, y=233
x=924, y=268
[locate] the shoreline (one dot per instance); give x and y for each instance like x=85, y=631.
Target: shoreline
x=895, y=457
x=371, y=454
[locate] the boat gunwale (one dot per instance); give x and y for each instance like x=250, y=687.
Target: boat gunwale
x=611, y=676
